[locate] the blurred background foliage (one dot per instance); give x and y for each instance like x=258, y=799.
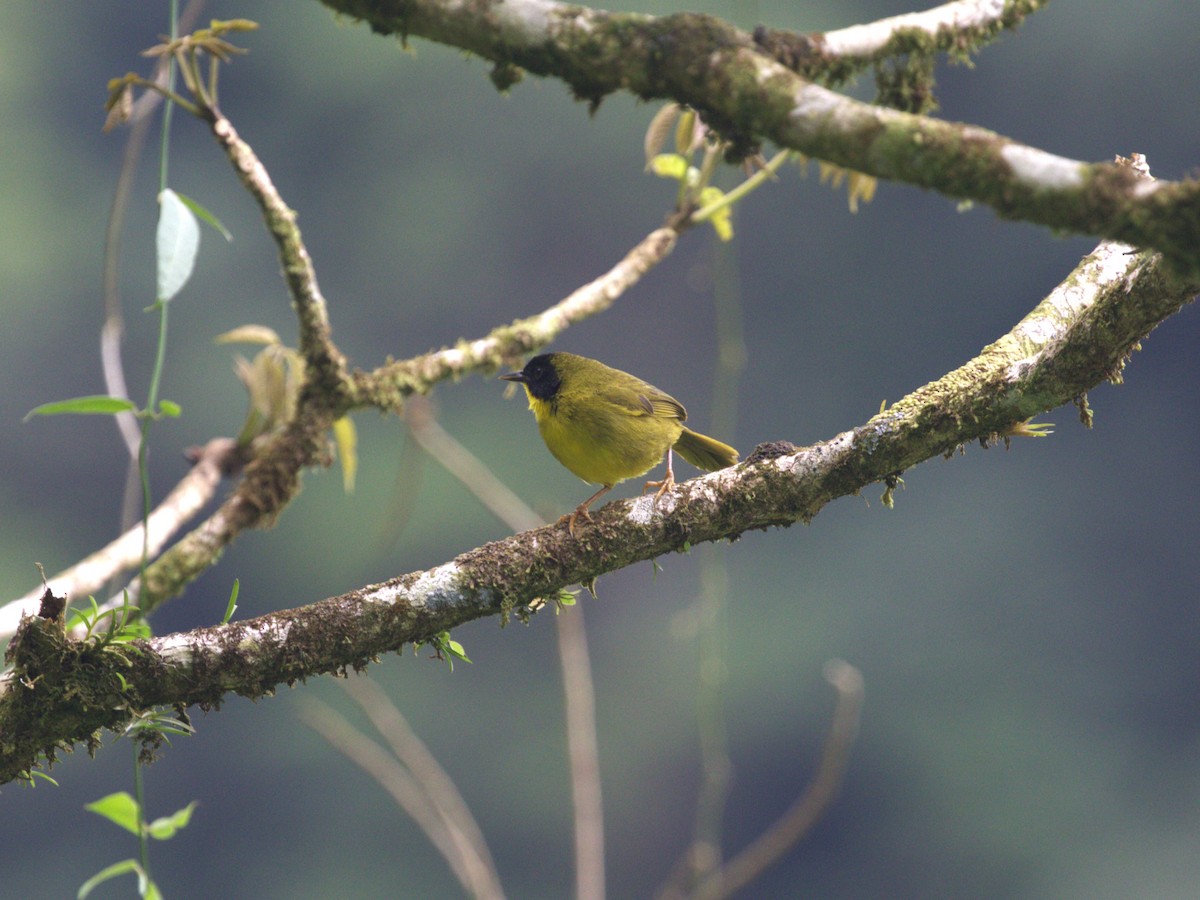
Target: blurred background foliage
x=1026, y=621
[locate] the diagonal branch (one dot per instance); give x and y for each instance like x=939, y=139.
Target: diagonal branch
x=833, y=57
x=326, y=367
x=742, y=92
x=809, y=807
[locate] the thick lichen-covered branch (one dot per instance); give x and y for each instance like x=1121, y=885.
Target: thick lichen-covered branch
x=744, y=93
x=956, y=29
x=1078, y=337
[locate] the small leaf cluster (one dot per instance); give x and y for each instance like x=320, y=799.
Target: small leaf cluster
x=189, y=52
x=447, y=649
x=273, y=380
x=702, y=201
x=124, y=811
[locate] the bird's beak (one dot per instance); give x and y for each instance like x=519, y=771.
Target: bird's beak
x=518, y=377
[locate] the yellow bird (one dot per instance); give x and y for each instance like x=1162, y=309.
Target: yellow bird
x=606, y=425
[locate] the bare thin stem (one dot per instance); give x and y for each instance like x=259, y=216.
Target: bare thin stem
x=392, y=776
x=808, y=808
x=583, y=750
x=436, y=784
x=460, y=462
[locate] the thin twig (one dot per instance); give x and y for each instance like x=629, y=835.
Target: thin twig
x=325, y=365
x=388, y=387
x=433, y=781
x=394, y=778
x=807, y=810
x=583, y=751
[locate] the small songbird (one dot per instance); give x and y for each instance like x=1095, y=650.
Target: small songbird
x=605, y=425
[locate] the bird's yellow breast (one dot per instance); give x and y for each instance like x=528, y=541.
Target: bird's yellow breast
x=601, y=442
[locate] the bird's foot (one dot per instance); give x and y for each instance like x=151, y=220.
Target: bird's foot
x=663, y=486
x=570, y=518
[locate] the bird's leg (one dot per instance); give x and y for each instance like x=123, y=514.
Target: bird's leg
x=666, y=484
x=582, y=508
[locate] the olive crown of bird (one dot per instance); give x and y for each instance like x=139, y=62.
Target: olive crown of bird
x=606, y=425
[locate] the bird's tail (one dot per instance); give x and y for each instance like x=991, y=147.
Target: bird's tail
x=704, y=452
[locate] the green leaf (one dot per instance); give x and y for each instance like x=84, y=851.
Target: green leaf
x=165, y=828
x=232, y=607
x=119, y=808
x=159, y=722
x=170, y=409
x=94, y=404
x=206, y=216
x=105, y=874
x=85, y=617
x=36, y=774
x=177, y=242
x=134, y=631
x=456, y=649
x=180, y=730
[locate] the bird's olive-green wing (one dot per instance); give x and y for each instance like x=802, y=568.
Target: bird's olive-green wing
x=663, y=405
x=637, y=398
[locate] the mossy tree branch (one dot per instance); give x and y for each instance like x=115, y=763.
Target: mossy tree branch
x=742, y=91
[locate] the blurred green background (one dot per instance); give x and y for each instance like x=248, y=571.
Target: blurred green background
x=1026, y=621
